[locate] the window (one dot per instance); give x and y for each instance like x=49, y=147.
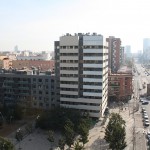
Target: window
x=46, y=80
x=40, y=80
x=40, y=92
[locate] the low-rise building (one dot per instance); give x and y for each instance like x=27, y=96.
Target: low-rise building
x=120, y=85
x=21, y=86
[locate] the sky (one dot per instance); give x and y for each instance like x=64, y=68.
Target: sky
x=36, y=24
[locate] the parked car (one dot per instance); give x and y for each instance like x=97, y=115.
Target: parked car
x=145, y=116
x=141, y=100
x=146, y=123
x=144, y=111
x=146, y=120
x=148, y=135
x=145, y=103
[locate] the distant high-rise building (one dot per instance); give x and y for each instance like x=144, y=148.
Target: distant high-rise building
x=146, y=49
x=81, y=70
x=114, y=47
x=16, y=48
x=128, y=53
x=122, y=55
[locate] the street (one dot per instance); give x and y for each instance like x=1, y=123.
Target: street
x=141, y=79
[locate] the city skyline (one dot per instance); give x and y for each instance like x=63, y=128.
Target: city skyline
x=35, y=25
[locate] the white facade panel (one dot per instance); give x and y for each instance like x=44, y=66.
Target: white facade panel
x=105, y=57
x=92, y=80
x=92, y=50
x=69, y=51
x=69, y=85
x=91, y=94
x=69, y=92
x=92, y=58
x=68, y=57
x=84, y=100
x=68, y=79
x=68, y=64
x=91, y=87
x=92, y=72
x=68, y=71
x=81, y=107
x=92, y=65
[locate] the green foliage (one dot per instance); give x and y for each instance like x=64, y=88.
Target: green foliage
x=50, y=136
x=69, y=132
x=12, y=111
x=83, y=130
x=78, y=146
x=69, y=121
x=115, y=132
x=6, y=144
x=61, y=143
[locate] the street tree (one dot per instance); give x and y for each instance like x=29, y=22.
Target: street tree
x=83, y=130
x=78, y=146
x=6, y=144
x=69, y=132
x=51, y=137
x=61, y=143
x=115, y=132
x=19, y=136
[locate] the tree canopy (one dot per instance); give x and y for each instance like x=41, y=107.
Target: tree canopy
x=69, y=122
x=6, y=144
x=115, y=132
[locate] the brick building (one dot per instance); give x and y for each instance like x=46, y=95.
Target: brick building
x=120, y=85
x=114, y=53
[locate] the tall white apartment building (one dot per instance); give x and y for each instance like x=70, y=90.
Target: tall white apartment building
x=81, y=71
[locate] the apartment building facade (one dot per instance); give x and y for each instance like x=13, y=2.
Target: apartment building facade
x=81, y=72
x=21, y=86
x=114, y=49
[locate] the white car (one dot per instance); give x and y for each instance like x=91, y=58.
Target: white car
x=146, y=120
x=146, y=123
x=148, y=134
x=145, y=116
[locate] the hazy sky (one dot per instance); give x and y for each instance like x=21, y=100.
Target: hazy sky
x=36, y=24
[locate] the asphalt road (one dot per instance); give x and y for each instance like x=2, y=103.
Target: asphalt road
x=143, y=79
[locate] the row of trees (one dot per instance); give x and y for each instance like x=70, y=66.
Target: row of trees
x=69, y=122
